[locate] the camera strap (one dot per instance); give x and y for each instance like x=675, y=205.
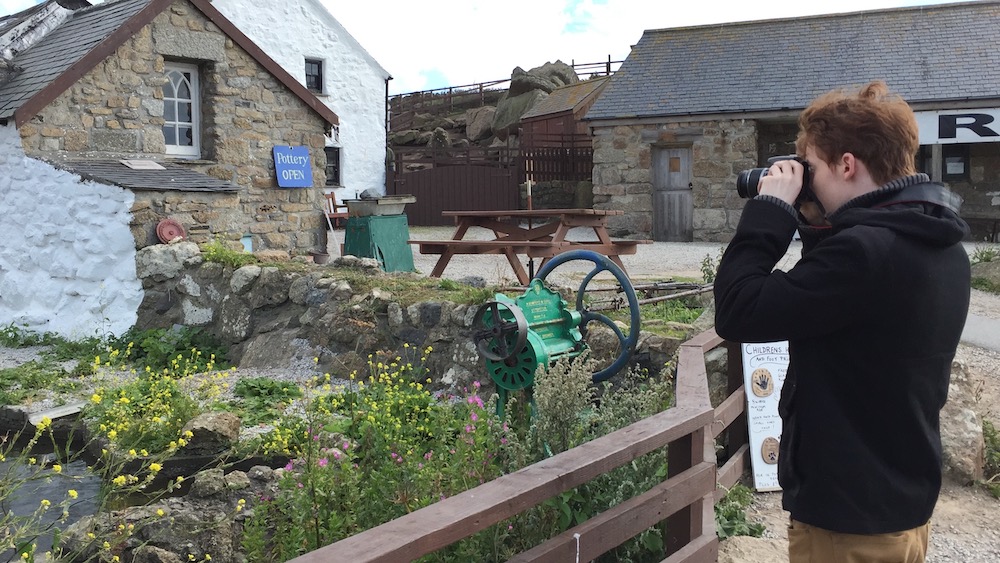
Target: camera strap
x=935, y=194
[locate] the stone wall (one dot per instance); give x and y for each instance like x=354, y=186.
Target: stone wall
x=67, y=262
x=623, y=177
x=273, y=317
x=116, y=110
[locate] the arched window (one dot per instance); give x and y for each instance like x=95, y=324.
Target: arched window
x=181, y=110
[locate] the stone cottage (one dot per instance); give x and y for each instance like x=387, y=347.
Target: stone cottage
x=308, y=41
x=691, y=107
x=116, y=117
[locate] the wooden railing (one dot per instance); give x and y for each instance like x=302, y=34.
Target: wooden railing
x=683, y=502
x=404, y=107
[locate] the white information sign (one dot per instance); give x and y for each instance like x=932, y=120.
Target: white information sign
x=959, y=126
x=764, y=368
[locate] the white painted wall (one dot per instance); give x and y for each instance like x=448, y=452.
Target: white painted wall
x=293, y=30
x=67, y=257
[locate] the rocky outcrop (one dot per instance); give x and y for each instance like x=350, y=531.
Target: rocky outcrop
x=487, y=125
x=212, y=433
x=962, y=441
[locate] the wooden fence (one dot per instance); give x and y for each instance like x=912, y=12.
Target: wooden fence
x=683, y=502
x=404, y=107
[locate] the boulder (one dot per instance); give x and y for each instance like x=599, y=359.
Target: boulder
x=510, y=109
x=213, y=433
x=962, y=443
x=479, y=123
x=547, y=78
x=987, y=270
x=165, y=261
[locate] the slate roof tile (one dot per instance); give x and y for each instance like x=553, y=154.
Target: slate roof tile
x=926, y=54
x=61, y=48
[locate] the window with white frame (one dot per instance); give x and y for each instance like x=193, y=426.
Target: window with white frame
x=181, y=110
x=314, y=75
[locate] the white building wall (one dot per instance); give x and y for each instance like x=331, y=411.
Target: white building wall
x=67, y=257
x=293, y=30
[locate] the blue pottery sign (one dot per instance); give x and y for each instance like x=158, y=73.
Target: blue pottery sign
x=293, y=167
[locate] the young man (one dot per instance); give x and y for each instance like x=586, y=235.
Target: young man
x=873, y=313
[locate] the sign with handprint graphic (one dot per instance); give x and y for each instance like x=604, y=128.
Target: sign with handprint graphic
x=764, y=368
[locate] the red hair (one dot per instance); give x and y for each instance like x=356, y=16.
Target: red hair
x=877, y=127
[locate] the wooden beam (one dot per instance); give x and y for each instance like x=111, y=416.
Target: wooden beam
x=617, y=525
x=445, y=522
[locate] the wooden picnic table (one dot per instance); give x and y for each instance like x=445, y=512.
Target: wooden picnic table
x=543, y=240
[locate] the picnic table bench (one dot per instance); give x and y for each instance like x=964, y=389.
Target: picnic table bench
x=544, y=241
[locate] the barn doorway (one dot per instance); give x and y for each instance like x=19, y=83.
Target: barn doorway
x=673, y=202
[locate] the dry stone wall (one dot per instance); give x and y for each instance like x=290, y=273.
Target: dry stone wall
x=116, y=111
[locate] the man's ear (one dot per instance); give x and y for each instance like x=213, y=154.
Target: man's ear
x=849, y=164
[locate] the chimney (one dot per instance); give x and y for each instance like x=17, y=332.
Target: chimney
x=34, y=24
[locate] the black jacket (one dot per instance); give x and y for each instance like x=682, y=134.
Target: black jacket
x=873, y=313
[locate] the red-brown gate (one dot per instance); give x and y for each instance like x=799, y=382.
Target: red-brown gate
x=454, y=179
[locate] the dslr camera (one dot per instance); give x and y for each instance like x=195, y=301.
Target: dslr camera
x=748, y=181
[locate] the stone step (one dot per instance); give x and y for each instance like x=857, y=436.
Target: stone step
x=69, y=409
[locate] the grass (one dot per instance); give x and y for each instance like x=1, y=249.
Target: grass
x=991, y=469
x=987, y=285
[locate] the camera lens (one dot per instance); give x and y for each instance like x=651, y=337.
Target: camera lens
x=748, y=181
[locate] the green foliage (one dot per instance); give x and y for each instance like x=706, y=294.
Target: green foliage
x=146, y=413
x=263, y=399
x=710, y=266
x=992, y=466
x=731, y=517
x=215, y=251
x=984, y=253
x=181, y=349
x=671, y=310
x=983, y=284
x=26, y=381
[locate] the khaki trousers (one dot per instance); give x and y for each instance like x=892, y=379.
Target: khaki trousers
x=809, y=544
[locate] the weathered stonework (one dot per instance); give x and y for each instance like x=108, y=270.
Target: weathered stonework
x=116, y=111
x=623, y=173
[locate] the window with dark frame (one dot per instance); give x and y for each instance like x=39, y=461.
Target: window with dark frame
x=314, y=75
x=332, y=166
x=954, y=161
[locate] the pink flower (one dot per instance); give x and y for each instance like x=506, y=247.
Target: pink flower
x=299, y=485
x=474, y=416
x=322, y=462
x=289, y=466
x=469, y=429
x=336, y=455
x=476, y=384
x=428, y=455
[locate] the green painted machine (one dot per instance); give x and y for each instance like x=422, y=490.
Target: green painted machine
x=516, y=336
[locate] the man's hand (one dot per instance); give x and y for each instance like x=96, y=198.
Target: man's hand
x=783, y=181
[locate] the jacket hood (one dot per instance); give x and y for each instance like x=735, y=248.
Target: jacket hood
x=912, y=207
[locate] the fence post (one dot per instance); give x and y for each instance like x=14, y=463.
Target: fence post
x=677, y=528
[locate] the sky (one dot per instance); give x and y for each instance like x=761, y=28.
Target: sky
x=440, y=43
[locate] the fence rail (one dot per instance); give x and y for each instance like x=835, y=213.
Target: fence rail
x=684, y=501
x=403, y=108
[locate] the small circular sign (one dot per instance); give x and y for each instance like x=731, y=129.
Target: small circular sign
x=769, y=450
x=761, y=382
x=168, y=230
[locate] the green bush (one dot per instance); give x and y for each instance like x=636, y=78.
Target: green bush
x=730, y=514
x=992, y=467
x=215, y=251
x=179, y=349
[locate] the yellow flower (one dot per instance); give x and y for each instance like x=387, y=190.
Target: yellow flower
x=45, y=503
x=180, y=479
x=57, y=468
x=72, y=493
x=44, y=423
x=154, y=467
x=208, y=557
x=132, y=452
x=95, y=398
x=106, y=545
x=159, y=512
x=115, y=559
x=112, y=434
x=119, y=481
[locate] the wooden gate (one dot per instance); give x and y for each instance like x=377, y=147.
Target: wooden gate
x=455, y=179
x=673, y=204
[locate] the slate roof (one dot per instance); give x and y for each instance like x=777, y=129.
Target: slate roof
x=933, y=54
x=61, y=48
x=565, y=98
x=91, y=34
x=172, y=177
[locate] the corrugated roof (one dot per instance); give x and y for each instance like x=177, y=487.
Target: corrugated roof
x=172, y=177
x=926, y=54
x=565, y=98
x=61, y=48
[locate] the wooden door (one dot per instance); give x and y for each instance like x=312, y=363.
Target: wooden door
x=673, y=203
